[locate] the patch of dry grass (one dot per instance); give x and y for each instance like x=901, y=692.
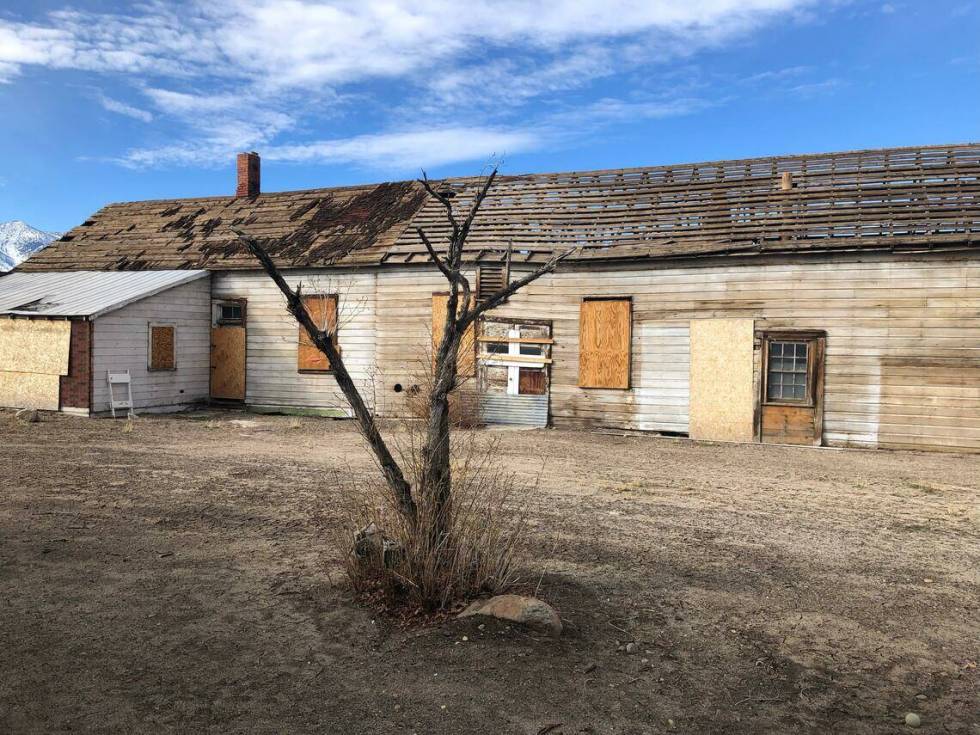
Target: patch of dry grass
x=388, y=556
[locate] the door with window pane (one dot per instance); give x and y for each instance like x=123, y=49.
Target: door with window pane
x=228, y=350
x=792, y=388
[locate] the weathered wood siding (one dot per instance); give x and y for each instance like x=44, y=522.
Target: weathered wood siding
x=272, y=377
x=404, y=319
x=903, y=339
x=121, y=338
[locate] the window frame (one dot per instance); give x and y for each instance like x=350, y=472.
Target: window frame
x=221, y=321
x=335, y=337
x=812, y=340
x=150, y=326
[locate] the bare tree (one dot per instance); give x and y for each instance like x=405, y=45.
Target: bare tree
x=462, y=310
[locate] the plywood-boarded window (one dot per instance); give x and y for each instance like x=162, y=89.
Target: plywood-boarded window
x=605, y=334
x=162, y=347
x=466, y=367
x=322, y=309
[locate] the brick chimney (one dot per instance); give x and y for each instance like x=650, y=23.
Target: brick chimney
x=248, y=175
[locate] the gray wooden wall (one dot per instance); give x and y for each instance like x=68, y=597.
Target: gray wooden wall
x=120, y=342
x=272, y=378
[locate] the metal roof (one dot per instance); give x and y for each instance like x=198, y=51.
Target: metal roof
x=83, y=293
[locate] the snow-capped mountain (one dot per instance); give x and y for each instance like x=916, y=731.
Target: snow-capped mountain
x=18, y=240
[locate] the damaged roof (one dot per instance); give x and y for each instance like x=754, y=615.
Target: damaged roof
x=349, y=226
x=898, y=198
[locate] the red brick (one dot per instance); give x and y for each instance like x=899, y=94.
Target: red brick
x=76, y=387
x=248, y=175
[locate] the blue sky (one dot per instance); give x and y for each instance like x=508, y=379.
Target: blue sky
x=105, y=101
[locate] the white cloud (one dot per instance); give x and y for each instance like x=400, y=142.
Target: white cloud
x=288, y=43
x=405, y=151
x=827, y=86
x=611, y=109
x=399, y=151
x=777, y=75
x=410, y=150
x=509, y=82
x=121, y=108
x=256, y=73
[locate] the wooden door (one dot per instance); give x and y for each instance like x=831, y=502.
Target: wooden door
x=228, y=350
x=228, y=363
x=792, y=388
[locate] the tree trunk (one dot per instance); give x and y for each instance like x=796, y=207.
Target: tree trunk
x=437, y=469
x=393, y=475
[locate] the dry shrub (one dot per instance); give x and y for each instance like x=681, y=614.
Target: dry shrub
x=403, y=566
x=464, y=403
x=464, y=408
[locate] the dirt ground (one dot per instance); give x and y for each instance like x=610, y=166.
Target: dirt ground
x=175, y=576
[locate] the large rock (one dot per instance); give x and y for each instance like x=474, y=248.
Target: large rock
x=30, y=415
x=371, y=546
x=529, y=611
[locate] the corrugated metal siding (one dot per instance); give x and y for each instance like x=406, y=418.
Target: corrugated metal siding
x=85, y=293
x=271, y=375
x=120, y=343
x=500, y=408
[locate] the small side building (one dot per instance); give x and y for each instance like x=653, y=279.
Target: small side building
x=61, y=333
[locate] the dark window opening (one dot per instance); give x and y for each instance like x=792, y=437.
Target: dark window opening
x=497, y=348
x=231, y=314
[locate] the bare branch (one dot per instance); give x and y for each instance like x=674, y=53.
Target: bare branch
x=436, y=258
x=477, y=203
x=442, y=199
x=324, y=342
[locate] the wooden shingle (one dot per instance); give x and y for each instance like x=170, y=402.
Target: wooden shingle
x=900, y=198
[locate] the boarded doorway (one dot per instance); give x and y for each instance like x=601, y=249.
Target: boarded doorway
x=722, y=391
x=792, y=387
x=514, y=375
x=228, y=350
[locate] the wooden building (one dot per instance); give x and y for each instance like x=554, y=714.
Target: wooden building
x=63, y=333
x=821, y=299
